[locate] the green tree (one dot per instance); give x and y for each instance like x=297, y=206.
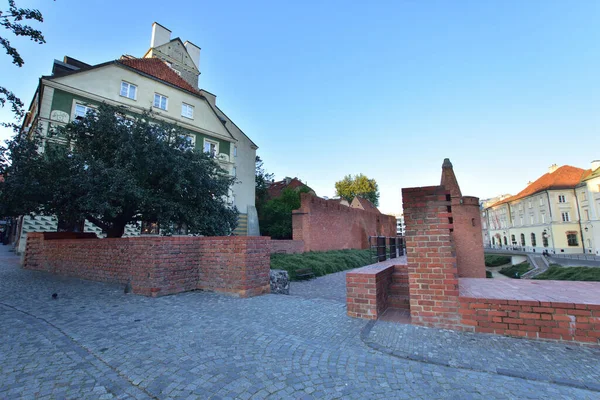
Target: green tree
x=358, y=185
x=11, y=20
x=114, y=170
x=276, y=219
x=262, y=179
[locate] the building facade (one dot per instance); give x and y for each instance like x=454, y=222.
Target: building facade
x=164, y=80
x=549, y=214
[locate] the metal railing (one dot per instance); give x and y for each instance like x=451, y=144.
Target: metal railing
x=385, y=247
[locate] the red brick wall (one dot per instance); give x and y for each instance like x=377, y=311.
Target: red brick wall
x=287, y=246
x=432, y=273
x=467, y=236
x=533, y=319
x=328, y=225
x=367, y=291
x=158, y=265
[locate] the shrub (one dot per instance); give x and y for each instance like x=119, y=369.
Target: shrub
x=488, y=274
x=516, y=271
x=558, y=273
x=495, y=260
x=321, y=262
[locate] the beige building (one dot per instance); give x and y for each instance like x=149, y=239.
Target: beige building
x=164, y=80
x=549, y=215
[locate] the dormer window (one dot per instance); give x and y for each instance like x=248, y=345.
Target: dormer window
x=128, y=90
x=160, y=101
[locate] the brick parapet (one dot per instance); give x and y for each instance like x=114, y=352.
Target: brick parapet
x=158, y=266
x=367, y=290
x=328, y=225
x=570, y=322
x=432, y=271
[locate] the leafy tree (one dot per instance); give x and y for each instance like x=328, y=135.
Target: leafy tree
x=276, y=220
x=11, y=20
x=113, y=171
x=358, y=185
x=262, y=178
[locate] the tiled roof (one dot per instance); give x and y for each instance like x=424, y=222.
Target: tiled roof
x=364, y=204
x=276, y=188
x=565, y=177
x=157, y=68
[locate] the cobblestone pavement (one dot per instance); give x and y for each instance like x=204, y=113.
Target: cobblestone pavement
x=96, y=342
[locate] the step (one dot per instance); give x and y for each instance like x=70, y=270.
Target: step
x=398, y=301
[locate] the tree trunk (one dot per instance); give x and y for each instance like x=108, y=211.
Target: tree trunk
x=115, y=231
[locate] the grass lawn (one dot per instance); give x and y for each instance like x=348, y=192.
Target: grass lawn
x=558, y=273
x=512, y=271
x=321, y=262
x=495, y=261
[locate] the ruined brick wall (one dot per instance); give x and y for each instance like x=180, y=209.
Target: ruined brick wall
x=158, y=266
x=467, y=236
x=367, y=290
x=432, y=272
x=327, y=225
x=287, y=246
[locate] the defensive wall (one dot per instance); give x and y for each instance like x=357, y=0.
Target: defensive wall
x=328, y=225
x=157, y=266
x=438, y=295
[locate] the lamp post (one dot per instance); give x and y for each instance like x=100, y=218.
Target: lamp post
x=589, y=226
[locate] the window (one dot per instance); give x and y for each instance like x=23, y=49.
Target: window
x=521, y=218
x=561, y=198
x=583, y=196
x=522, y=239
x=128, y=90
x=533, y=241
x=234, y=171
x=513, y=240
x=211, y=147
x=545, y=240
x=187, y=111
x=235, y=151
x=572, y=239
x=541, y=201
x=160, y=101
x=587, y=215
x=530, y=205
x=81, y=110
x=543, y=218
x=565, y=216
x=505, y=243
x=520, y=207
x=531, y=219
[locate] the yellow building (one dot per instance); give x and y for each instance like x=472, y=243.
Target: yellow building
x=547, y=214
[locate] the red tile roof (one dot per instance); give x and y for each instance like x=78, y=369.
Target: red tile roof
x=364, y=204
x=276, y=188
x=565, y=177
x=157, y=68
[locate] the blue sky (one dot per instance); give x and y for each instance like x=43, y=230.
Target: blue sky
x=389, y=89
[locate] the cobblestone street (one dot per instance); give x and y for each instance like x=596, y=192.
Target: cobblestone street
x=94, y=341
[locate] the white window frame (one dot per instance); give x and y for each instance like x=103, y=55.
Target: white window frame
x=160, y=97
x=562, y=197
x=87, y=109
x=192, y=137
x=235, y=151
x=541, y=201
x=565, y=216
x=234, y=172
x=128, y=90
x=208, y=141
x=543, y=218
x=185, y=108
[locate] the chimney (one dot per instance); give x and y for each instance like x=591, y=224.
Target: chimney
x=194, y=52
x=595, y=165
x=552, y=168
x=160, y=35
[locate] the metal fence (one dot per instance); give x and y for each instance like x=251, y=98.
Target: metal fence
x=385, y=247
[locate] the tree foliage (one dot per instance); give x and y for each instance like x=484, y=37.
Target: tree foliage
x=262, y=179
x=114, y=170
x=276, y=218
x=12, y=20
x=358, y=185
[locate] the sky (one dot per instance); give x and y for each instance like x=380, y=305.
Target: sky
x=388, y=89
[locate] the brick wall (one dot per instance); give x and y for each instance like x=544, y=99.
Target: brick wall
x=327, y=225
x=287, y=246
x=533, y=319
x=432, y=272
x=367, y=290
x=158, y=266
x=467, y=236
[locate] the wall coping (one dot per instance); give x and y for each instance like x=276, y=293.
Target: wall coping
x=374, y=269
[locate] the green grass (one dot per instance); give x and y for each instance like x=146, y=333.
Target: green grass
x=558, y=273
x=321, y=262
x=495, y=261
x=512, y=271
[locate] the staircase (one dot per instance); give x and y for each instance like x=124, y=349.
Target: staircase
x=242, y=226
x=398, y=296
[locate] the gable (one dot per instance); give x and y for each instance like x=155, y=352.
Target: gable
x=175, y=52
